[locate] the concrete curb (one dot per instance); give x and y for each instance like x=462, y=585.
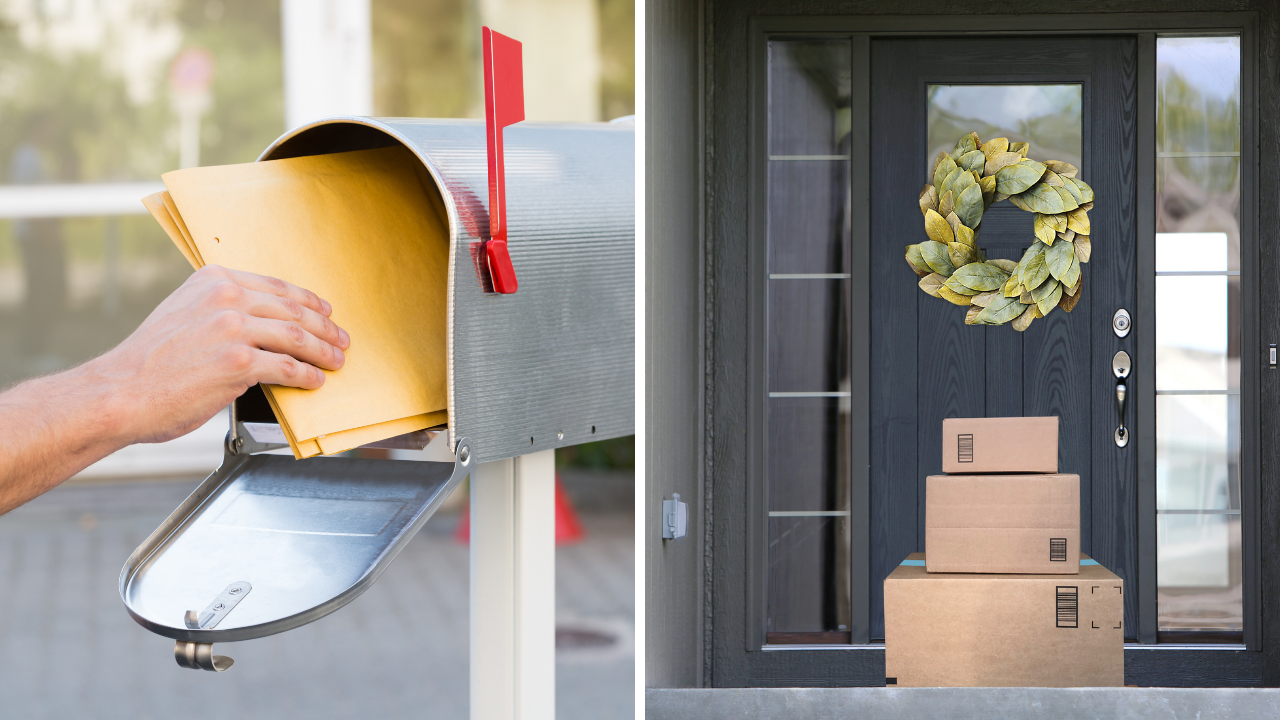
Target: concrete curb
x=958, y=703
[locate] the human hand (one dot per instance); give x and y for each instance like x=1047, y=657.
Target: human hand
x=216, y=336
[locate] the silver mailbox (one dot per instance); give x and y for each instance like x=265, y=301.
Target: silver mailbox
x=267, y=543
x=554, y=363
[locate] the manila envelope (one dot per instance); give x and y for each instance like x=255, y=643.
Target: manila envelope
x=366, y=231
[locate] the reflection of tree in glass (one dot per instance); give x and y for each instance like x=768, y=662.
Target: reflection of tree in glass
x=1048, y=117
x=827, y=66
x=1193, y=120
x=1200, y=193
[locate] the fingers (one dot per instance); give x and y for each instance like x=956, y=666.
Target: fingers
x=280, y=288
x=289, y=338
x=286, y=329
x=276, y=369
x=273, y=307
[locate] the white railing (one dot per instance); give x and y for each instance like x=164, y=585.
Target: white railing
x=74, y=200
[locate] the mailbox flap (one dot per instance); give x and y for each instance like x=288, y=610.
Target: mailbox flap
x=290, y=541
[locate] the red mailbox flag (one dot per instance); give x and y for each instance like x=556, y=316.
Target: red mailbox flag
x=503, y=106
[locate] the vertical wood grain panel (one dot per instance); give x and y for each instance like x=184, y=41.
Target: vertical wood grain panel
x=1261, y=414
x=1144, y=391
x=951, y=382
x=894, y=303
x=1113, y=153
x=1004, y=353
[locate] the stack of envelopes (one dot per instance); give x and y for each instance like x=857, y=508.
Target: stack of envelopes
x=365, y=230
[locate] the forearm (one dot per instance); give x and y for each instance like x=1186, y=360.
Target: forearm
x=219, y=334
x=53, y=427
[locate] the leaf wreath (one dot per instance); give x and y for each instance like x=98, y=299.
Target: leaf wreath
x=951, y=266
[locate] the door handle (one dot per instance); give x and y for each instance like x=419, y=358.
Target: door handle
x=1121, y=366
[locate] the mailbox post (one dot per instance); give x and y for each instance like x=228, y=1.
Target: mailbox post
x=513, y=602
x=549, y=366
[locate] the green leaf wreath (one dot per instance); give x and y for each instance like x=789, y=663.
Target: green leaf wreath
x=951, y=266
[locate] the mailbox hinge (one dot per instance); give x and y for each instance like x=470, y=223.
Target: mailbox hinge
x=199, y=655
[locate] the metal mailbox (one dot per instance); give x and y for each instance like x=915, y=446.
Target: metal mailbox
x=268, y=543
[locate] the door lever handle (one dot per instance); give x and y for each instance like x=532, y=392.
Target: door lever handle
x=1121, y=366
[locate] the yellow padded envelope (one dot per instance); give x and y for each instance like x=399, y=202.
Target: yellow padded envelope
x=365, y=231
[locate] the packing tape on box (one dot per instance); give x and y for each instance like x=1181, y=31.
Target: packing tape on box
x=920, y=563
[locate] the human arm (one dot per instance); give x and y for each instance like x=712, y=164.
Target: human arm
x=216, y=336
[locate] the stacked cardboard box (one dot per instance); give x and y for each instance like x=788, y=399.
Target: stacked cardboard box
x=1001, y=595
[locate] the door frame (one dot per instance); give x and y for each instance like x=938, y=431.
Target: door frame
x=737, y=156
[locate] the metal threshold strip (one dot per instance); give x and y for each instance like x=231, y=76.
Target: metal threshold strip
x=1127, y=646
x=809, y=276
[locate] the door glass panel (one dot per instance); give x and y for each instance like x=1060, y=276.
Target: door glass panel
x=805, y=204
x=1198, y=338
x=1045, y=116
x=1191, y=345
x=1048, y=117
x=808, y=342
x=811, y=437
x=808, y=578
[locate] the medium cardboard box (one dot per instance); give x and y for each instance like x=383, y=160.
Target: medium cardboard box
x=965, y=630
x=990, y=445
x=1002, y=524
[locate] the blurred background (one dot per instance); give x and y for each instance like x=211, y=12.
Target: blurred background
x=97, y=99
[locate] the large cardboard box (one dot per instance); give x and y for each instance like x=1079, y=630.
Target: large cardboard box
x=1002, y=523
x=989, y=445
x=966, y=630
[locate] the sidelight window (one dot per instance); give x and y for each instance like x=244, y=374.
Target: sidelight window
x=808, y=343
x=1198, y=179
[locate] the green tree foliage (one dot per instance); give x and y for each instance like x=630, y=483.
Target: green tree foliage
x=426, y=59
x=78, y=114
x=617, y=58
x=602, y=455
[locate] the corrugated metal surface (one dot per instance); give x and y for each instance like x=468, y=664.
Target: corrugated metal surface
x=553, y=364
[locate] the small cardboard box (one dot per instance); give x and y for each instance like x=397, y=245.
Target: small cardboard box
x=965, y=630
x=991, y=445
x=1002, y=524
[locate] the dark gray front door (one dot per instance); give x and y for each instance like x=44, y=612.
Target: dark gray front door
x=926, y=364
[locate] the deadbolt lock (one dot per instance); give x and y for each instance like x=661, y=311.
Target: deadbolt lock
x=1121, y=322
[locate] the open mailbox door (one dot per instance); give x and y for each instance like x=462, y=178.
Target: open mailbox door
x=268, y=543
